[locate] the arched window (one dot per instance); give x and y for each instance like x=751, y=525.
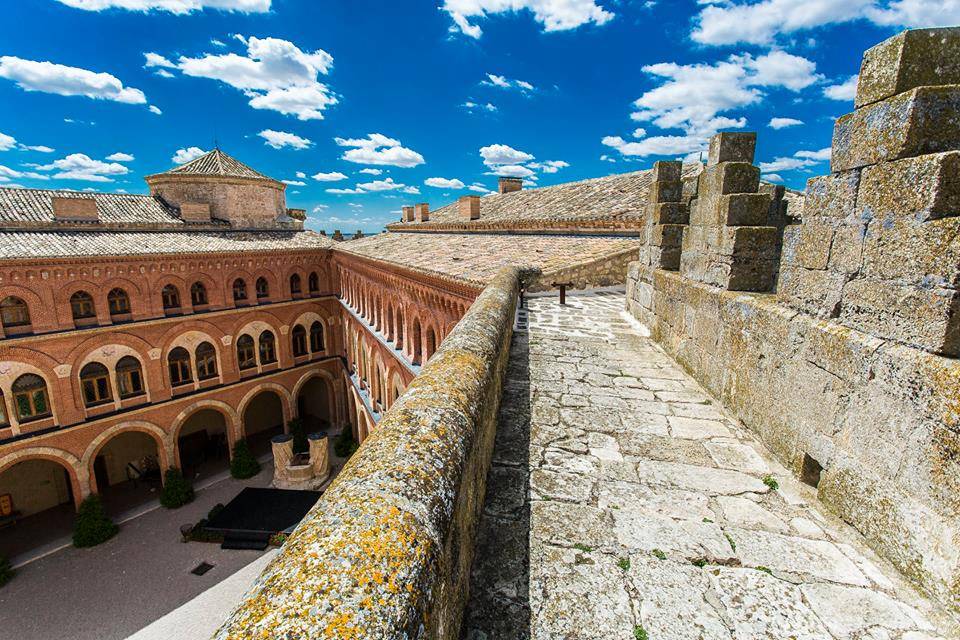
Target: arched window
x=171, y=297
x=179, y=363
x=14, y=312
x=4, y=419
x=30, y=397
x=268, y=348
x=313, y=282
x=119, y=302
x=398, y=338
x=81, y=303
x=246, y=352
x=316, y=337
x=198, y=294
x=129, y=377
x=206, y=361
x=299, y=337
x=95, y=382
x=431, y=342
x=295, y=284
x=239, y=290
x=263, y=289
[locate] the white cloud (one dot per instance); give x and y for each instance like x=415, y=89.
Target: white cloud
x=275, y=74
x=371, y=171
x=554, y=15
x=413, y=190
x=380, y=185
x=281, y=139
x=120, y=156
x=217, y=43
x=844, y=91
x=7, y=142
x=186, y=155
x=320, y=207
x=506, y=83
x=301, y=174
x=821, y=154
x=6, y=174
x=163, y=73
x=549, y=166
x=79, y=166
x=344, y=191
x=799, y=160
x=639, y=132
x=496, y=154
x=39, y=148
x=156, y=60
x=771, y=177
x=510, y=171
x=725, y=23
x=469, y=105
x=172, y=6
x=479, y=188
x=329, y=177
x=444, y=183
x=378, y=149
x=783, y=123
x=49, y=77
x=294, y=183
x=155, y=110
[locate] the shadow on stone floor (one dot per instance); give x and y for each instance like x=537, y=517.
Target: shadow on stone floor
x=499, y=606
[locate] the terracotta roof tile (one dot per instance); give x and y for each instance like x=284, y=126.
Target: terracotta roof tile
x=217, y=163
x=34, y=206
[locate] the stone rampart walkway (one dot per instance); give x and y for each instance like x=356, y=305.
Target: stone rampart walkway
x=623, y=503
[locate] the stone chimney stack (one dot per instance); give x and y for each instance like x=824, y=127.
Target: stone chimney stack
x=421, y=212
x=337, y=235
x=877, y=248
x=469, y=207
x=408, y=213
x=79, y=209
x=509, y=185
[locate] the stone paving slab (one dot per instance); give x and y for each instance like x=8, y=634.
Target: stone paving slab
x=623, y=503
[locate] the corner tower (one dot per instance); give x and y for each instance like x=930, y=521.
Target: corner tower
x=216, y=185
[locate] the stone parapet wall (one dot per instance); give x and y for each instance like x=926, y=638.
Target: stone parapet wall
x=879, y=417
x=603, y=272
x=386, y=552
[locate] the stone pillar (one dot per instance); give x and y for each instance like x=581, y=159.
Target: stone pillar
x=319, y=455
x=878, y=246
x=729, y=242
x=282, y=454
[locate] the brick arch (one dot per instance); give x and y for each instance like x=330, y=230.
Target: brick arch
x=119, y=351
x=58, y=393
x=331, y=392
x=77, y=355
x=134, y=293
x=190, y=324
x=260, y=315
x=285, y=401
x=212, y=286
x=230, y=416
x=34, y=304
x=162, y=439
x=79, y=477
x=273, y=282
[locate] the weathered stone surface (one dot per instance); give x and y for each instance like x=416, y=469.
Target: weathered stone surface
x=732, y=146
x=798, y=556
x=703, y=479
x=729, y=177
x=920, y=188
x=743, y=512
x=920, y=121
x=849, y=610
x=763, y=607
x=685, y=539
x=733, y=455
x=914, y=58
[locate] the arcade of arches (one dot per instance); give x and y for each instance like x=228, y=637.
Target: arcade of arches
x=110, y=412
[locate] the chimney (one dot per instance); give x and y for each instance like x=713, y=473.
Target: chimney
x=407, y=214
x=195, y=212
x=421, y=212
x=71, y=209
x=509, y=185
x=469, y=207
x=297, y=214
x=337, y=235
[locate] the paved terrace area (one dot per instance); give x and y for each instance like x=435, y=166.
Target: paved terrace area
x=623, y=503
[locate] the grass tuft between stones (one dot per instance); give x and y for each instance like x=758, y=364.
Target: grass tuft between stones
x=733, y=545
x=639, y=633
x=624, y=563
x=659, y=554
x=764, y=569
x=582, y=547
x=700, y=562
x=771, y=482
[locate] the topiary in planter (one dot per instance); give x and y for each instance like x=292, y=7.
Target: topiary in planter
x=344, y=445
x=6, y=572
x=299, y=433
x=177, y=491
x=92, y=526
x=243, y=465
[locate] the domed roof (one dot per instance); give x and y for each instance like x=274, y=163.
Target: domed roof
x=217, y=163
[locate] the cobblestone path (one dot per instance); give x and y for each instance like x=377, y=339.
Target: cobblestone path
x=623, y=503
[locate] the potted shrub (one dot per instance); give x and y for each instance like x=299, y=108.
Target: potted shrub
x=344, y=445
x=177, y=491
x=93, y=526
x=243, y=465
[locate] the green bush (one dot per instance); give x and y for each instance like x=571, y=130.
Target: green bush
x=243, y=465
x=299, y=432
x=6, y=572
x=177, y=491
x=344, y=445
x=92, y=526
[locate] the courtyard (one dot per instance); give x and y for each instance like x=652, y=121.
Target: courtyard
x=623, y=503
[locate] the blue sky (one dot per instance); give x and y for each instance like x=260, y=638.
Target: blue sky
x=363, y=106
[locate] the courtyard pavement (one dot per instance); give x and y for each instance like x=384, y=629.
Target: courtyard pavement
x=623, y=503
x=111, y=591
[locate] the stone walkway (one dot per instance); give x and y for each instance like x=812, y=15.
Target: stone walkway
x=623, y=503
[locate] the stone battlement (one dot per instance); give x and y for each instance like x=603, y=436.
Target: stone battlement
x=844, y=358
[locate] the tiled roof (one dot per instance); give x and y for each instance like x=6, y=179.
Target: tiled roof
x=476, y=258
x=616, y=198
x=34, y=206
x=64, y=244
x=217, y=163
